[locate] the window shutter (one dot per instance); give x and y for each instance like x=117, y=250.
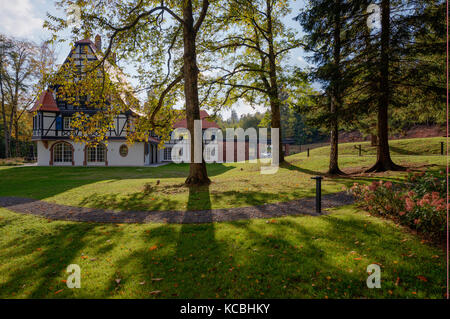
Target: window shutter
x=59, y=123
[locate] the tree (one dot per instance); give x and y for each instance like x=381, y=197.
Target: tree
x=140, y=31
x=5, y=45
x=325, y=23
x=18, y=74
x=397, y=71
x=234, y=117
x=384, y=161
x=255, y=49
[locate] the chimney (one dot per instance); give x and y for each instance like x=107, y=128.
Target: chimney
x=98, y=42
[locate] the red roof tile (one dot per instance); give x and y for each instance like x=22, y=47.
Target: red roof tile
x=206, y=122
x=46, y=102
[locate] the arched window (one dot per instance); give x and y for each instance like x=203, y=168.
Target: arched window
x=62, y=153
x=96, y=153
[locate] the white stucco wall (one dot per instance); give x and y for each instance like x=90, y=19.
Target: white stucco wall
x=135, y=155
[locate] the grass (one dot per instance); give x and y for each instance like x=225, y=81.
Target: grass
x=415, y=146
x=291, y=257
x=234, y=184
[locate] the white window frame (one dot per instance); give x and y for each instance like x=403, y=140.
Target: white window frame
x=67, y=123
x=94, y=154
x=168, y=154
x=64, y=155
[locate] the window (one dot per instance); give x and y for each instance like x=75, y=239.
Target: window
x=67, y=123
x=123, y=150
x=96, y=153
x=168, y=154
x=62, y=153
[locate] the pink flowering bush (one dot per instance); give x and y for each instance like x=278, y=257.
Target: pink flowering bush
x=419, y=203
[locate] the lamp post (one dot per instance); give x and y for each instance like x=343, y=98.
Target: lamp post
x=318, y=193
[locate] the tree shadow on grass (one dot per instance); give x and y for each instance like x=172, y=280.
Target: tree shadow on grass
x=178, y=261
x=403, y=151
x=292, y=167
x=45, y=182
x=198, y=243
x=331, y=260
x=130, y=202
x=53, y=252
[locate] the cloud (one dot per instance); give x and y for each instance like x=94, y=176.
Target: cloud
x=19, y=18
x=302, y=61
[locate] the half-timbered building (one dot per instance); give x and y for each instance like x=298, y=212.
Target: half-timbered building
x=52, y=129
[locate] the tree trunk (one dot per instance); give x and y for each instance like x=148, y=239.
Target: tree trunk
x=197, y=171
x=274, y=94
x=384, y=161
x=373, y=139
x=335, y=94
x=334, y=143
x=5, y=126
x=16, y=129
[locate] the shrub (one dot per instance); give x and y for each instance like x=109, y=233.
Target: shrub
x=419, y=202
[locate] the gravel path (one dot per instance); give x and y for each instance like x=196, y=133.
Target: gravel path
x=48, y=210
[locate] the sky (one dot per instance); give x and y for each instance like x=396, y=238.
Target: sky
x=23, y=19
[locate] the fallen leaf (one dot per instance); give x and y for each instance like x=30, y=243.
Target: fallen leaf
x=118, y=281
x=155, y=292
x=57, y=292
x=422, y=278
x=153, y=247
x=157, y=279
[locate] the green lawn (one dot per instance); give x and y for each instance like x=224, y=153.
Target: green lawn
x=291, y=257
x=234, y=184
x=416, y=146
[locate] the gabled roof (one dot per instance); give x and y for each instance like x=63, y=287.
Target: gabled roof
x=206, y=122
x=46, y=102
